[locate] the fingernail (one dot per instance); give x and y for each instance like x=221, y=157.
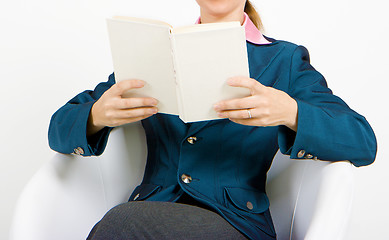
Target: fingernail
x=216, y=107
x=140, y=83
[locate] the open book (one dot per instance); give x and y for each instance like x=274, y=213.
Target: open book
x=185, y=68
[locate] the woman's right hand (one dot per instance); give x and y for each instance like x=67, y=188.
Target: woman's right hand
x=113, y=110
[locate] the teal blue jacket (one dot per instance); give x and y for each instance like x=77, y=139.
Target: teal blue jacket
x=225, y=167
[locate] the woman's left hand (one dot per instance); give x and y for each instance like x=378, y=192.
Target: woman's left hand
x=266, y=106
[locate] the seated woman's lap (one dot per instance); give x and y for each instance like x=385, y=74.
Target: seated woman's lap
x=162, y=220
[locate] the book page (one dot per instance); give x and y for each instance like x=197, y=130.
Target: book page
x=204, y=62
x=142, y=50
x=142, y=20
x=205, y=27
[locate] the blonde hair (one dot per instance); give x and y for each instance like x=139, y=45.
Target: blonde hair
x=253, y=14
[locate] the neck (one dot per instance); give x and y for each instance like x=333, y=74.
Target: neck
x=236, y=15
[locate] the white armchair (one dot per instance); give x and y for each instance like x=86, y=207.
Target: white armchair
x=69, y=194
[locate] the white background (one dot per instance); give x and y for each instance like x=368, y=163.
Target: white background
x=52, y=50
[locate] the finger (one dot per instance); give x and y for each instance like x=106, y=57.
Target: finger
x=121, y=87
x=126, y=103
x=140, y=118
x=235, y=104
x=237, y=114
x=257, y=121
x=248, y=122
x=246, y=82
x=137, y=112
x=123, y=121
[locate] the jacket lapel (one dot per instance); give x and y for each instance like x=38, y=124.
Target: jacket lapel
x=196, y=127
x=261, y=58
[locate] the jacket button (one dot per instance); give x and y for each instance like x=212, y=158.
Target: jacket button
x=78, y=151
x=301, y=154
x=136, y=197
x=191, y=140
x=186, y=178
x=308, y=156
x=249, y=205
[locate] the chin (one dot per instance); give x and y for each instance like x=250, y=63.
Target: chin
x=219, y=7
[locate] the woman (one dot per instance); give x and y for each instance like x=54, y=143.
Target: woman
x=207, y=179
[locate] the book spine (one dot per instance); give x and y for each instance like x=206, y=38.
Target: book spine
x=177, y=78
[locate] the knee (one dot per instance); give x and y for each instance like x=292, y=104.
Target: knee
x=121, y=211
x=113, y=223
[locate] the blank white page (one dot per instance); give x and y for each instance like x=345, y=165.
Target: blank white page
x=142, y=50
x=204, y=61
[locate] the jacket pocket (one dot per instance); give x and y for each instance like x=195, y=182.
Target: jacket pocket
x=247, y=200
x=144, y=191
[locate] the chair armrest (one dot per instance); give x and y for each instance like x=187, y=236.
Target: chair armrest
x=310, y=199
x=333, y=204
x=69, y=194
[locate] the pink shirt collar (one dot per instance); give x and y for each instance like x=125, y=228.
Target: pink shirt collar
x=253, y=35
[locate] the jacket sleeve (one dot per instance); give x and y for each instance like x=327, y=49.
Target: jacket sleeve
x=327, y=128
x=67, y=130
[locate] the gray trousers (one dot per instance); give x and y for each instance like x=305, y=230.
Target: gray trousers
x=162, y=220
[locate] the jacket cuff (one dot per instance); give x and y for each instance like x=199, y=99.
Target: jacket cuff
x=300, y=144
x=93, y=145
x=98, y=141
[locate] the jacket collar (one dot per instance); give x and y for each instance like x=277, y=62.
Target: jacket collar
x=253, y=35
